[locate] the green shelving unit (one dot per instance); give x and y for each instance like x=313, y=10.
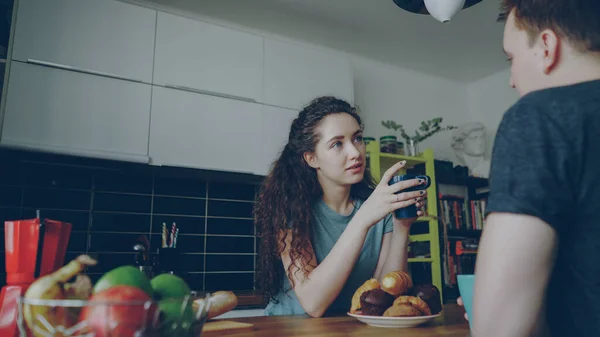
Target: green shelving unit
x=379, y=162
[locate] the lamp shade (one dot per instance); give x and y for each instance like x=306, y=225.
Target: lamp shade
x=444, y=10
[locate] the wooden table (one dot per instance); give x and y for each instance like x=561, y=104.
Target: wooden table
x=450, y=324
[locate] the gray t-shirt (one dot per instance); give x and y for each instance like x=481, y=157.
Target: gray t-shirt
x=327, y=227
x=546, y=164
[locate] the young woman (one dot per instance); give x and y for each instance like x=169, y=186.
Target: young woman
x=324, y=227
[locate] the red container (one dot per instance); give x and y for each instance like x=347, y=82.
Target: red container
x=21, y=246
x=27, y=260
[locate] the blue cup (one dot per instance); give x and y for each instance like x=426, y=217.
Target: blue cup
x=409, y=211
x=466, y=286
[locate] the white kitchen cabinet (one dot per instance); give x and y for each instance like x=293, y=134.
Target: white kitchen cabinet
x=74, y=113
x=296, y=74
x=97, y=36
x=207, y=57
x=276, y=123
x=201, y=131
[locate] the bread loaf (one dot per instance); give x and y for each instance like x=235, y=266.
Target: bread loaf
x=220, y=303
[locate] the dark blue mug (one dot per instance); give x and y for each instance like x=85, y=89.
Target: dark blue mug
x=409, y=211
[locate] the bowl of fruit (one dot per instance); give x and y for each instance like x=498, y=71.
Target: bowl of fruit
x=124, y=302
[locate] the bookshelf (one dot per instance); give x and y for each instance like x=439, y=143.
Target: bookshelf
x=462, y=220
x=378, y=163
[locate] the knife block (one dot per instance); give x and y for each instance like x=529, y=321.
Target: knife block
x=168, y=261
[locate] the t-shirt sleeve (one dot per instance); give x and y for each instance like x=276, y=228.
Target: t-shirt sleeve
x=529, y=167
x=388, y=224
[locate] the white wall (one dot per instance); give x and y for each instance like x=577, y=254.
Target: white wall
x=488, y=99
x=388, y=92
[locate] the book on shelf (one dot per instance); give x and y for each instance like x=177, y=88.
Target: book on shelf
x=459, y=259
x=459, y=213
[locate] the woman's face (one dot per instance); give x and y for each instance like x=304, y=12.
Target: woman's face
x=340, y=153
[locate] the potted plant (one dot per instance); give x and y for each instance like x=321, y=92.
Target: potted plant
x=427, y=129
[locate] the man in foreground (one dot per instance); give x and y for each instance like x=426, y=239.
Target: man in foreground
x=539, y=258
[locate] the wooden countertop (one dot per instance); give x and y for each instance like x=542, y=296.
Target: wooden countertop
x=450, y=324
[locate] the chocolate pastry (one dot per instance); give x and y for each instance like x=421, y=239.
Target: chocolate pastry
x=430, y=294
x=368, y=285
x=375, y=302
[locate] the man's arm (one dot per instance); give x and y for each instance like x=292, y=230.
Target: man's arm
x=514, y=263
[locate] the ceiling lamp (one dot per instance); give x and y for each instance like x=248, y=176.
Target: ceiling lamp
x=441, y=10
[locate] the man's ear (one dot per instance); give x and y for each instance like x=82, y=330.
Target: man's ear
x=311, y=159
x=550, y=43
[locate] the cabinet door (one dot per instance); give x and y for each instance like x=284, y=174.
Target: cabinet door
x=71, y=112
x=194, y=130
x=295, y=75
x=207, y=57
x=276, y=123
x=103, y=36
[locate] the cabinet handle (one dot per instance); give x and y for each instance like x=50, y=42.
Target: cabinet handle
x=210, y=93
x=79, y=70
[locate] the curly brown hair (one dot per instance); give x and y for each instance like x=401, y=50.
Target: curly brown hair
x=289, y=191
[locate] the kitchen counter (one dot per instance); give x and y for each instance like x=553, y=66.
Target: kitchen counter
x=450, y=324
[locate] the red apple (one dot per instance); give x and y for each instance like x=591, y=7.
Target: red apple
x=119, y=311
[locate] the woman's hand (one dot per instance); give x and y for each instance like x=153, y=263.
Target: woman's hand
x=407, y=222
x=383, y=200
x=460, y=302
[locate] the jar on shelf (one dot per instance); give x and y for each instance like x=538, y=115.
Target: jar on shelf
x=399, y=148
x=388, y=144
x=368, y=140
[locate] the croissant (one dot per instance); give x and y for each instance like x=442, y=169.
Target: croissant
x=368, y=285
x=402, y=310
x=415, y=302
x=396, y=283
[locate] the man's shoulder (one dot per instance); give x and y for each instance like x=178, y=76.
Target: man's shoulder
x=561, y=101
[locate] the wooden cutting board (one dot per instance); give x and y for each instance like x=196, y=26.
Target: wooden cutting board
x=219, y=327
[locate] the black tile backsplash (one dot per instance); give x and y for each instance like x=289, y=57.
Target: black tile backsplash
x=114, y=202
x=78, y=241
x=192, y=262
x=120, y=222
x=231, y=281
x=11, y=196
x=230, y=244
x=117, y=181
x=108, y=261
x=179, y=206
x=180, y=187
x=79, y=219
x=57, y=199
x=112, y=242
x=230, y=208
x=9, y=213
x=197, y=280
x=10, y=172
x=57, y=176
x=231, y=191
x=190, y=243
x=230, y=263
x=111, y=204
x=226, y=226
x=186, y=224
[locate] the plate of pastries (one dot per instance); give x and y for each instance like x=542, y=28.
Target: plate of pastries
x=395, y=302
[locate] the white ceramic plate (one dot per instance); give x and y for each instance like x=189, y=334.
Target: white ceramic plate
x=394, y=322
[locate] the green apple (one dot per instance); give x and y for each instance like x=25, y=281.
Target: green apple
x=169, y=286
x=171, y=290
x=124, y=275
